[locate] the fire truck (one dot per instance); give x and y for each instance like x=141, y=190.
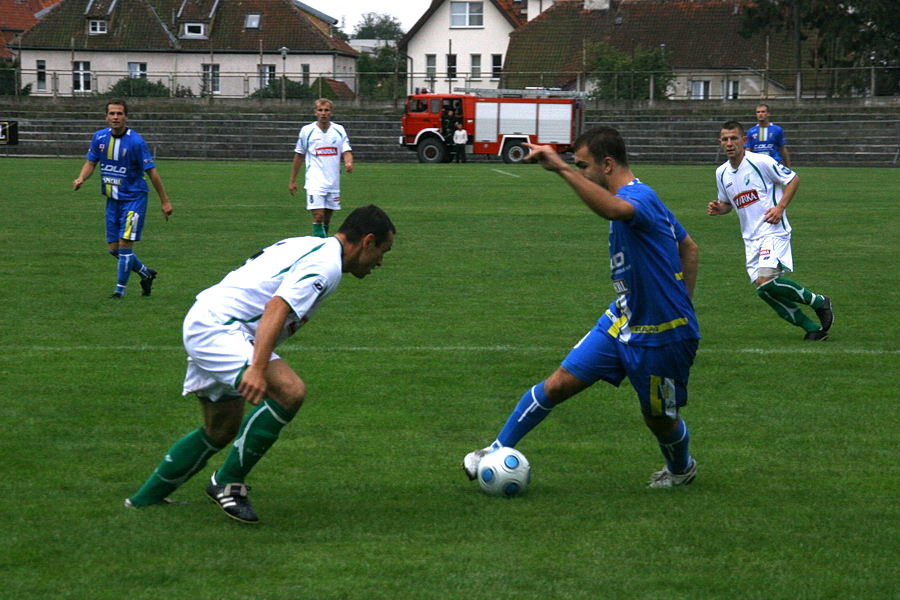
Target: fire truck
x=497, y=122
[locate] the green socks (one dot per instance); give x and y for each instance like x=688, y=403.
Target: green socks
x=184, y=460
x=258, y=432
x=320, y=230
x=782, y=295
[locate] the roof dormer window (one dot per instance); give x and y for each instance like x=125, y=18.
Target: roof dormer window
x=194, y=30
x=97, y=27
x=252, y=21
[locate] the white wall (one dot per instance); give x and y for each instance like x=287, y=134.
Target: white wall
x=238, y=73
x=437, y=37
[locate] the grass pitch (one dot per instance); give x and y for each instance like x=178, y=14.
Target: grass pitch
x=496, y=272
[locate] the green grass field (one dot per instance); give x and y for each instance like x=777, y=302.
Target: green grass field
x=496, y=272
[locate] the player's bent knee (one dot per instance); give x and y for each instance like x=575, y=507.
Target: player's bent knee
x=660, y=425
x=562, y=385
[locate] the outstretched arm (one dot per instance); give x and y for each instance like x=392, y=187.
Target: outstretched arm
x=598, y=199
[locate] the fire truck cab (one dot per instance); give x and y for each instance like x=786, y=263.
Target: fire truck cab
x=498, y=124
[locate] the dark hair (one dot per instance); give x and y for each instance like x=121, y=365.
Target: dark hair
x=763, y=104
x=365, y=220
x=733, y=125
x=117, y=101
x=602, y=141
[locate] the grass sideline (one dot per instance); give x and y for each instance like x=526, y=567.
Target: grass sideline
x=497, y=270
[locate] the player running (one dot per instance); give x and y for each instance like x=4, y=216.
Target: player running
x=230, y=335
x=649, y=333
x=761, y=189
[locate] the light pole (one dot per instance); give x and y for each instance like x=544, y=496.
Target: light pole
x=284, y=52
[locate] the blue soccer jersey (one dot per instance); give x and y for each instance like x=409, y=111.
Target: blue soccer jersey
x=766, y=140
x=652, y=307
x=123, y=160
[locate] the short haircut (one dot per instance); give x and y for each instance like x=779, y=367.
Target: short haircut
x=763, y=104
x=322, y=101
x=117, y=101
x=733, y=125
x=602, y=141
x=365, y=220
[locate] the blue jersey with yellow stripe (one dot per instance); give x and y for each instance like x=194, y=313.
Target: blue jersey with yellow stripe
x=123, y=160
x=766, y=140
x=652, y=307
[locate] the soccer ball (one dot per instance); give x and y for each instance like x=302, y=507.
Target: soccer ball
x=504, y=472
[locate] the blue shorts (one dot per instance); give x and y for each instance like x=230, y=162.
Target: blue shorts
x=659, y=374
x=125, y=219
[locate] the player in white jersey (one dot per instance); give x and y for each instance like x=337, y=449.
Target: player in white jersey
x=230, y=335
x=321, y=145
x=760, y=189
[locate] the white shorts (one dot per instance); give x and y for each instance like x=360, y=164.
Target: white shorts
x=218, y=353
x=773, y=252
x=331, y=200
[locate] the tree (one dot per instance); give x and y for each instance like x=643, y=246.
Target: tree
x=375, y=26
x=382, y=75
x=617, y=76
x=9, y=80
x=861, y=33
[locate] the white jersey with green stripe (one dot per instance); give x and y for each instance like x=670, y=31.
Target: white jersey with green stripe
x=302, y=271
x=754, y=187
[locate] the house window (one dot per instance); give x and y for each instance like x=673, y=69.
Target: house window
x=305, y=70
x=475, y=70
x=700, y=89
x=137, y=70
x=210, y=79
x=266, y=74
x=97, y=27
x=430, y=66
x=451, y=66
x=41, y=66
x=467, y=14
x=252, y=22
x=732, y=89
x=496, y=65
x=194, y=30
x=81, y=76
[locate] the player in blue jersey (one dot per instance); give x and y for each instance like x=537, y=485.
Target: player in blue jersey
x=768, y=138
x=124, y=158
x=649, y=332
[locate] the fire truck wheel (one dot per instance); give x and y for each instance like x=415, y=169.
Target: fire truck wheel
x=514, y=152
x=432, y=150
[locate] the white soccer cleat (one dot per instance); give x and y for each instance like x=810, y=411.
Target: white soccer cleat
x=667, y=479
x=472, y=460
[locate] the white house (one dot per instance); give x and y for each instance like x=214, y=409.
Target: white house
x=459, y=43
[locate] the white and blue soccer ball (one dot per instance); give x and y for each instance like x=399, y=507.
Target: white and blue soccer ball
x=504, y=472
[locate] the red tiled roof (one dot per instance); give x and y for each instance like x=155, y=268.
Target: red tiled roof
x=154, y=25
x=17, y=17
x=698, y=34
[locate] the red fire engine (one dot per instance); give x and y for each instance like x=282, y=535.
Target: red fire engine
x=497, y=125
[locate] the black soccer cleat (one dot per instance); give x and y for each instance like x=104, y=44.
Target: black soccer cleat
x=147, y=283
x=116, y=296
x=232, y=498
x=826, y=317
x=816, y=336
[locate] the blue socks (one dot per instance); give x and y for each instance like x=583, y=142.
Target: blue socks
x=674, y=448
x=531, y=410
x=128, y=262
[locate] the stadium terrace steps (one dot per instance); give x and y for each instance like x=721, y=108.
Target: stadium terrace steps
x=822, y=135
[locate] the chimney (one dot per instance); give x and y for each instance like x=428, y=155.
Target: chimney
x=596, y=4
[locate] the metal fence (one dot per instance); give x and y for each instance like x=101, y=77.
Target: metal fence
x=699, y=84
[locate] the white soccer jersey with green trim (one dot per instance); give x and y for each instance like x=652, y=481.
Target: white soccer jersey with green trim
x=302, y=271
x=754, y=187
x=323, y=152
